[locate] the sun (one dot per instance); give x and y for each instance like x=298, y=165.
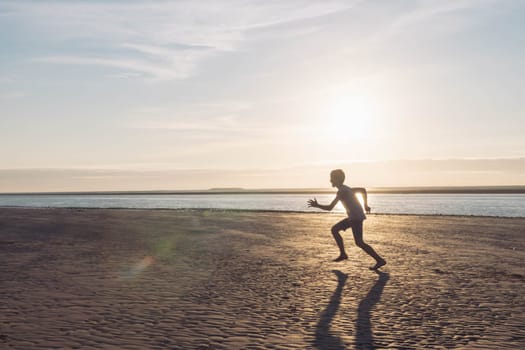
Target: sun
x=354, y=115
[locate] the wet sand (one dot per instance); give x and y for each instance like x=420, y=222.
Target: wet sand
x=174, y=279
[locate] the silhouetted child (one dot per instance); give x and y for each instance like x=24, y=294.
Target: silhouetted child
x=356, y=215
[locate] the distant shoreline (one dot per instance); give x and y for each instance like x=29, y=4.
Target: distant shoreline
x=224, y=191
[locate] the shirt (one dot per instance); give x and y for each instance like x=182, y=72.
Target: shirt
x=352, y=205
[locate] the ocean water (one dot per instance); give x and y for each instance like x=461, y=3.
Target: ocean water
x=505, y=205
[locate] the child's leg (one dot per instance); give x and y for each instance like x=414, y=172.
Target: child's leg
x=340, y=226
x=357, y=230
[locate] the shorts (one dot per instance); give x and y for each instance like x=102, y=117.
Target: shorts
x=343, y=225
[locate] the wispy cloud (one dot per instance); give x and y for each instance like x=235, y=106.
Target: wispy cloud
x=162, y=40
x=210, y=117
x=429, y=9
x=453, y=172
x=6, y=80
x=422, y=18
x=126, y=65
x=11, y=95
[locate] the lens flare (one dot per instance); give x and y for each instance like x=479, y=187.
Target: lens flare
x=138, y=268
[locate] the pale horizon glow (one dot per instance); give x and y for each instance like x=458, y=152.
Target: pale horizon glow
x=142, y=95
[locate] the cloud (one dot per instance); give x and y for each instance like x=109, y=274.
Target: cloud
x=431, y=9
x=128, y=66
x=162, y=40
x=438, y=172
x=159, y=40
x=225, y=116
x=11, y=95
x=421, y=19
x=6, y=80
x=406, y=173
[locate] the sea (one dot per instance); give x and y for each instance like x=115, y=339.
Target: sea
x=498, y=205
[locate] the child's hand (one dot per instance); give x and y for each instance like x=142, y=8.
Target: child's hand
x=313, y=203
x=368, y=209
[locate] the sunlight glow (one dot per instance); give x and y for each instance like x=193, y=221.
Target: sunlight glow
x=361, y=200
x=352, y=115
x=339, y=208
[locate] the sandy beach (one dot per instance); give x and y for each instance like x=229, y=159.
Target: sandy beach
x=197, y=279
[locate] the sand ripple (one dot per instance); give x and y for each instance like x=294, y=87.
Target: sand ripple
x=130, y=279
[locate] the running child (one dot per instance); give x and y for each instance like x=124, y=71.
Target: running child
x=355, y=219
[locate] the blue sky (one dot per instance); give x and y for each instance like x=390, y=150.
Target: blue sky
x=259, y=89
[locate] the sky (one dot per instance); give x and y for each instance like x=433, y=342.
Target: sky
x=166, y=95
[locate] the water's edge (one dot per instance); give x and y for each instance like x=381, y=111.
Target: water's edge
x=199, y=210
x=495, y=205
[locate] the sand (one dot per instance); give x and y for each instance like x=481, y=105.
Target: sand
x=175, y=279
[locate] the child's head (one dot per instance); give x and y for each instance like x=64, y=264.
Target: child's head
x=337, y=177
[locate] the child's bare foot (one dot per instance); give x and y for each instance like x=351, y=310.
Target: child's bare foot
x=379, y=263
x=341, y=258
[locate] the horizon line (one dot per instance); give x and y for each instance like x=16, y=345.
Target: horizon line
x=503, y=189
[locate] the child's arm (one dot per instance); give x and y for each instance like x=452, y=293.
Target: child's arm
x=365, y=199
x=313, y=203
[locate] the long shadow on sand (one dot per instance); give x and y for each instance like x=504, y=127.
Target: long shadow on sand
x=364, y=339
x=323, y=338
